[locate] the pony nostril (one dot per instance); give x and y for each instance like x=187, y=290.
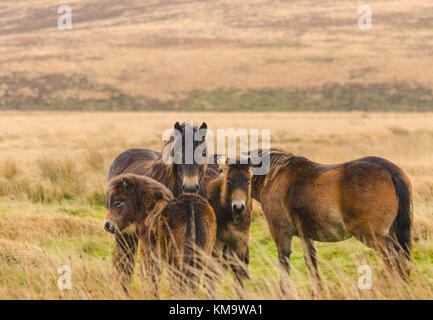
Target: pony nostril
x=109, y=227
x=191, y=189
x=238, y=208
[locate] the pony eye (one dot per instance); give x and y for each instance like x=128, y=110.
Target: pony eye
x=118, y=203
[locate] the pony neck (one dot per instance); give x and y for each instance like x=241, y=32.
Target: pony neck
x=257, y=183
x=171, y=179
x=166, y=174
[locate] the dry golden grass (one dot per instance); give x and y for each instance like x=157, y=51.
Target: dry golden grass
x=52, y=183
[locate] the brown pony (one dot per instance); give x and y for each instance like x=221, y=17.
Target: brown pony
x=179, y=177
x=368, y=198
x=178, y=231
x=230, y=197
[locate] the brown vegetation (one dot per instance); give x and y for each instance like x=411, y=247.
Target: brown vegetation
x=130, y=54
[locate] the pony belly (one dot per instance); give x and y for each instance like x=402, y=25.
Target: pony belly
x=329, y=234
x=328, y=227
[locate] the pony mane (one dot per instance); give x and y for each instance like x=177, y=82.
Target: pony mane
x=223, y=193
x=162, y=171
x=278, y=160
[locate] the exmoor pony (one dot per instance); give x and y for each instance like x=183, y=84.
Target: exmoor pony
x=178, y=177
x=230, y=197
x=179, y=232
x=368, y=198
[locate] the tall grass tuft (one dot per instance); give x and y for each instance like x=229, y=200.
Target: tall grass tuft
x=56, y=169
x=95, y=160
x=8, y=168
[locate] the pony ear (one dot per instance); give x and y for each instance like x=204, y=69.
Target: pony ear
x=257, y=164
x=177, y=126
x=127, y=183
x=231, y=161
x=168, y=136
x=203, y=128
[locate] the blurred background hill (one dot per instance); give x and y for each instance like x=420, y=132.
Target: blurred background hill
x=229, y=55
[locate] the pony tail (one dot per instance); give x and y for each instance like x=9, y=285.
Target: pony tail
x=403, y=222
x=402, y=225
x=191, y=256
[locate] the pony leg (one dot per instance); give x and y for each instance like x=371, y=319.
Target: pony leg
x=177, y=285
x=283, y=242
x=239, y=275
x=194, y=265
x=393, y=256
x=209, y=284
x=282, y=231
x=239, y=281
x=124, y=257
x=310, y=258
x=192, y=277
x=213, y=273
x=284, y=253
x=240, y=260
x=152, y=269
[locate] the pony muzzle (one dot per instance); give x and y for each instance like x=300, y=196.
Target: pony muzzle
x=238, y=206
x=109, y=226
x=190, y=184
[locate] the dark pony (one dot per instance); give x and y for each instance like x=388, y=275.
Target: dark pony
x=179, y=232
x=178, y=176
x=230, y=196
x=369, y=198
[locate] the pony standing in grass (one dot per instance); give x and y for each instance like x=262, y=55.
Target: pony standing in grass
x=179, y=232
x=177, y=177
x=230, y=197
x=368, y=198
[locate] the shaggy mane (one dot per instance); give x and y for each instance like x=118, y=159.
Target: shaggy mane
x=278, y=160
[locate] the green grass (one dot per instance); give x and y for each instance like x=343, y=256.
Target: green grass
x=94, y=249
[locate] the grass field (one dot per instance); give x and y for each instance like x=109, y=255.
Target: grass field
x=52, y=184
x=225, y=61
x=228, y=55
